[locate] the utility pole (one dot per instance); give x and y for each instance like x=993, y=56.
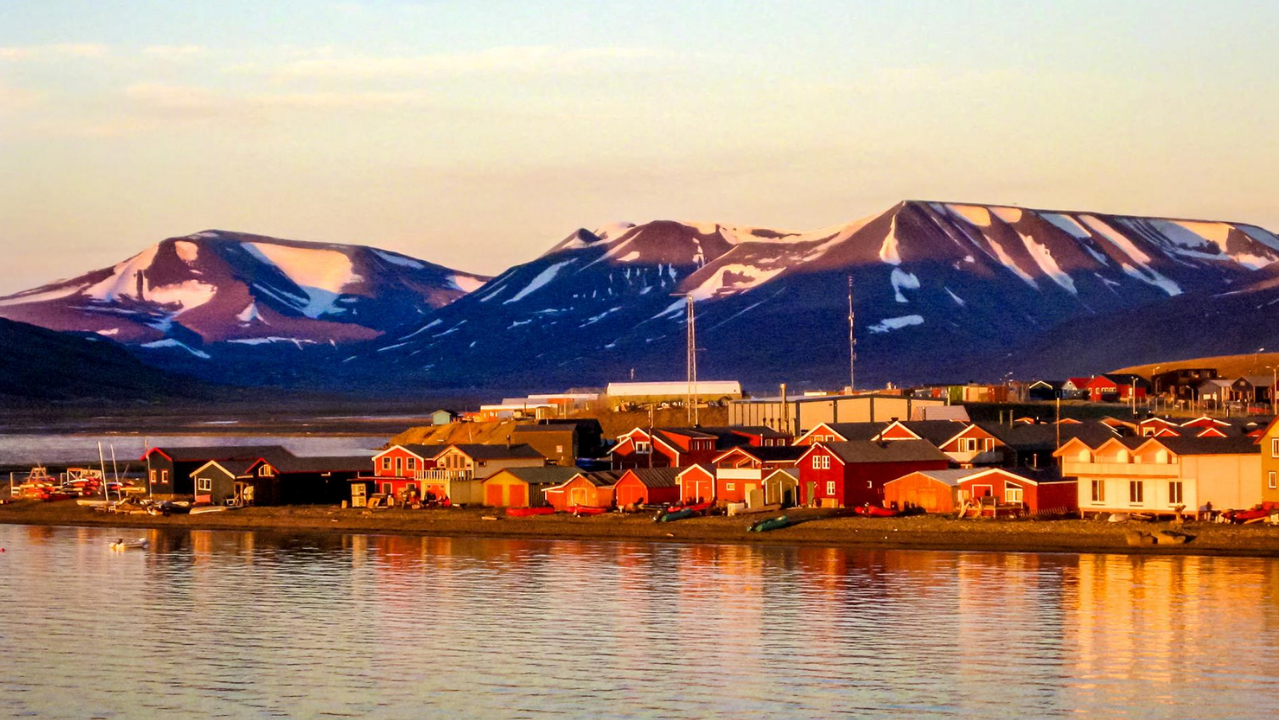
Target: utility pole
x=691, y=361
x=852, y=340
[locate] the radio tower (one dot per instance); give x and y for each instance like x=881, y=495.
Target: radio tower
x=691, y=362
x=853, y=342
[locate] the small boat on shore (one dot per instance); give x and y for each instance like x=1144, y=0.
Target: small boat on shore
x=873, y=511
x=675, y=515
x=202, y=509
x=770, y=524
x=139, y=544
x=579, y=510
x=529, y=511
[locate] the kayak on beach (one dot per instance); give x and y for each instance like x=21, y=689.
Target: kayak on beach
x=770, y=524
x=873, y=511
x=529, y=511
x=577, y=510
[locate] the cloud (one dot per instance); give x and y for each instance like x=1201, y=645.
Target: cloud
x=56, y=50
x=513, y=59
x=194, y=102
x=173, y=52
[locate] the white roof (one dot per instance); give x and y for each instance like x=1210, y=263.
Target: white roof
x=679, y=387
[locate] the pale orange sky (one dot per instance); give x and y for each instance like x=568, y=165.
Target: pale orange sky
x=478, y=136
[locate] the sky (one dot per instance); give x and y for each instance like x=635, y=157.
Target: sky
x=477, y=134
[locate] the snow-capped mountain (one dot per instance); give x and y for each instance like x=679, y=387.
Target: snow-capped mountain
x=942, y=291
x=192, y=296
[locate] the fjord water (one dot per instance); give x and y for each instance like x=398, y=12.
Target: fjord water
x=243, y=624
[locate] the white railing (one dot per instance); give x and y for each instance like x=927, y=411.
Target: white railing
x=442, y=475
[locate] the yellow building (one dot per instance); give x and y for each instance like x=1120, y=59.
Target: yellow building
x=1269, y=444
x=1156, y=475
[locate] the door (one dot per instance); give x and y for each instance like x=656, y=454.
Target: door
x=810, y=492
x=399, y=467
x=518, y=496
x=578, y=496
x=493, y=495
x=628, y=495
x=928, y=498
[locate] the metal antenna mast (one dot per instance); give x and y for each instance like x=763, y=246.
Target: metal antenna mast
x=852, y=340
x=691, y=362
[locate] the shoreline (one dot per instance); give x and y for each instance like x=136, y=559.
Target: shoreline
x=813, y=528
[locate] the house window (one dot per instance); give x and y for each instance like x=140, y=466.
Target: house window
x=1275, y=447
x=728, y=487
x=1175, y=492
x=153, y=477
x=204, y=484
x=399, y=466
x=821, y=462
x=559, y=449
x=164, y=476
x=1271, y=479
x=831, y=487
x=411, y=463
x=643, y=448
x=266, y=471
x=1098, y=491
x=968, y=444
x=386, y=463
x=1135, y=492
x=1012, y=493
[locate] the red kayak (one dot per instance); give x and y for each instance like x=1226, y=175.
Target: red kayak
x=698, y=508
x=586, y=510
x=529, y=511
x=1239, y=516
x=873, y=511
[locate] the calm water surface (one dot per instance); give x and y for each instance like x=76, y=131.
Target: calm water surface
x=247, y=625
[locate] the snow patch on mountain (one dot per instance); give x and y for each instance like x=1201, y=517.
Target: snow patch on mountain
x=188, y=294
x=466, y=283
x=1010, y=215
x=123, y=278
x=188, y=252
x=1048, y=265
x=903, y=281
x=896, y=323
x=171, y=343
x=1006, y=260
x=734, y=278
x=958, y=300
x=974, y=214
x=1067, y=224
x=318, y=268
x=35, y=297
x=400, y=260
x=1151, y=277
x=889, y=248
x=544, y=277
x=1262, y=236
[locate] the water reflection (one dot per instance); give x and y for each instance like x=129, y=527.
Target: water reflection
x=238, y=624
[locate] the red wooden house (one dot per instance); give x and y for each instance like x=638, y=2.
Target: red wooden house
x=668, y=447
x=742, y=470
x=647, y=486
x=1116, y=388
x=400, y=468
x=586, y=489
x=943, y=491
x=697, y=483
x=848, y=474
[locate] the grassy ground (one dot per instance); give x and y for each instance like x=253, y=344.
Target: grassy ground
x=819, y=527
x=1228, y=366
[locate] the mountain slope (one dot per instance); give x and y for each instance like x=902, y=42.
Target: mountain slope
x=940, y=289
x=40, y=366
x=185, y=295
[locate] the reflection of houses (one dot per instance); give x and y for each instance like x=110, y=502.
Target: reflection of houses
x=1155, y=475
x=846, y=474
x=1023, y=491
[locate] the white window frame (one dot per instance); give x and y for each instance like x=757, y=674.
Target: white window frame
x=1140, y=486
x=386, y=462
x=1175, y=488
x=1271, y=479
x=1098, y=492
x=1012, y=492
x=643, y=448
x=1275, y=447
x=728, y=487
x=204, y=485
x=831, y=488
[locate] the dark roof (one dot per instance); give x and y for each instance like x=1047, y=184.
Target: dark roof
x=319, y=464
x=604, y=478
x=771, y=453
x=560, y=428
x=424, y=451
x=761, y=430
x=1239, y=445
x=857, y=430
x=498, y=452
x=935, y=431
x=1044, y=436
x=219, y=452
x=698, y=433
x=892, y=451
x=544, y=475
x=236, y=467
x=657, y=477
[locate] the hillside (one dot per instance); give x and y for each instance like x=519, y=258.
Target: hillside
x=940, y=290
x=40, y=366
x=1226, y=365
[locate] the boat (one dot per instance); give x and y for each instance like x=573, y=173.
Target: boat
x=770, y=524
x=1241, y=516
x=528, y=511
x=675, y=515
x=579, y=510
x=202, y=509
x=873, y=511
x=139, y=544
x=698, y=508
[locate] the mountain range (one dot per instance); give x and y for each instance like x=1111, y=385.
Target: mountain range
x=942, y=291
